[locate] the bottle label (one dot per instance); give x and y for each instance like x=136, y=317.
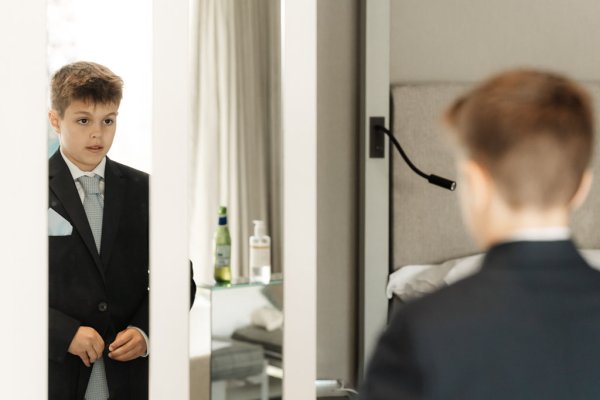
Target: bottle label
x=260, y=256
x=222, y=255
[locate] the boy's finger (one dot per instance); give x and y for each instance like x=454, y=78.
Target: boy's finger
x=98, y=348
x=131, y=350
x=86, y=360
x=99, y=342
x=121, y=339
x=118, y=351
x=92, y=355
x=126, y=355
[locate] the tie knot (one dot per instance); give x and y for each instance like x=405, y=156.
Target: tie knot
x=90, y=184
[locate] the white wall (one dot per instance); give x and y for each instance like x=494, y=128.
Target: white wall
x=24, y=201
x=467, y=40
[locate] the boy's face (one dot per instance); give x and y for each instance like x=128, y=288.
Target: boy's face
x=86, y=132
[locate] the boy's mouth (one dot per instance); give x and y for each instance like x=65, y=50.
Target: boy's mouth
x=94, y=148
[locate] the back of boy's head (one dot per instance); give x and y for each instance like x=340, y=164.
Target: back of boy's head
x=532, y=131
x=84, y=81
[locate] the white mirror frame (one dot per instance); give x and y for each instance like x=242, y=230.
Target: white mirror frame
x=169, y=265
x=374, y=202
x=299, y=197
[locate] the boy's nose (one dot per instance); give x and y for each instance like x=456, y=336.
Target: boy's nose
x=96, y=132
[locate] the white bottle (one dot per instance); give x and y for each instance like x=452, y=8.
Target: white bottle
x=260, y=254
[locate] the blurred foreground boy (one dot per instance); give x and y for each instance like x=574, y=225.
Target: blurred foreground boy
x=98, y=246
x=527, y=326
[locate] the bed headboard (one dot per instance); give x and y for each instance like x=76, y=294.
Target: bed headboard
x=426, y=221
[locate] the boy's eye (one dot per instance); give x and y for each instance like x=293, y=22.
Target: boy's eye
x=109, y=121
x=83, y=121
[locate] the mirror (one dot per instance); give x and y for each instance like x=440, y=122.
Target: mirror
x=98, y=246
x=236, y=326
x=235, y=155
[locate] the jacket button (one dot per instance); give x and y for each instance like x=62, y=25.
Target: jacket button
x=102, y=306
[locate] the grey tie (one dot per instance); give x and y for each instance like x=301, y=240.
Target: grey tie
x=93, y=204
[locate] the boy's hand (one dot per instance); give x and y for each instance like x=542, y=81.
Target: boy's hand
x=87, y=344
x=128, y=345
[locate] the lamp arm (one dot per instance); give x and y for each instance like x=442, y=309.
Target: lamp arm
x=433, y=179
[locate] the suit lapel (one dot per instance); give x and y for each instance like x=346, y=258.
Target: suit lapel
x=63, y=187
x=114, y=194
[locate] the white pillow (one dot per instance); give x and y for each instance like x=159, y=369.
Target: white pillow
x=463, y=268
x=592, y=257
x=414, y=281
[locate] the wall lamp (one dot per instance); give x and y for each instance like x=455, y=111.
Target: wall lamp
x=376, y=131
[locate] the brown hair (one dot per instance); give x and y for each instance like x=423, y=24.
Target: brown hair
x=533, y=133
x=85, y=81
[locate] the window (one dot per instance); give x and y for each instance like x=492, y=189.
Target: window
x=117, y=34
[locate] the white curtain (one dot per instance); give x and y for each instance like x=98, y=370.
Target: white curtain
x=236, y=144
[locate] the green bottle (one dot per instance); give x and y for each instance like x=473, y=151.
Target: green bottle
x=222, y=248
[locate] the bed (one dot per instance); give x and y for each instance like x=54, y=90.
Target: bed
x=430, y=247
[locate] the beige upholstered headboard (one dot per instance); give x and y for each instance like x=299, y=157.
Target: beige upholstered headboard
x=426, y=221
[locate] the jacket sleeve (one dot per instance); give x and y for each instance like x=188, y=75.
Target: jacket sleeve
x=192, y=286
x=140, y=318
x=62, y=329
x=393, y=372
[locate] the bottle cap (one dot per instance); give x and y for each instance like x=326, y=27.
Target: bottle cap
x=222, y=215
x=259, y=228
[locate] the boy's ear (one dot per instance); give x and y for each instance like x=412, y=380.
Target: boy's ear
x=583, y=190
x=479, y=182
x=54, y=120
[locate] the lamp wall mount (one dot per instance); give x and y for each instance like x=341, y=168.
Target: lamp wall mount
x=376, y=137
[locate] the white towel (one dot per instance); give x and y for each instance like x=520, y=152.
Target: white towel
x=268, y=318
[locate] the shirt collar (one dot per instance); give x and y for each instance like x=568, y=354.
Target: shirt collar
x=76, y=172
x=541, y=234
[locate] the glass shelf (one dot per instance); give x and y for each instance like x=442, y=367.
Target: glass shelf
x=241, y=282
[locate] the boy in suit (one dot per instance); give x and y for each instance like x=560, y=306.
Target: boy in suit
x=527, y=325
x=98, y=246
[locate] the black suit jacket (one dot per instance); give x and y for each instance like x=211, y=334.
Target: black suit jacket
x=106, y=291
x=527, y=326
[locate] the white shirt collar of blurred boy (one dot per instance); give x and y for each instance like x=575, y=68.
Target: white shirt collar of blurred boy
x=548, y=234
x=76, y=172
